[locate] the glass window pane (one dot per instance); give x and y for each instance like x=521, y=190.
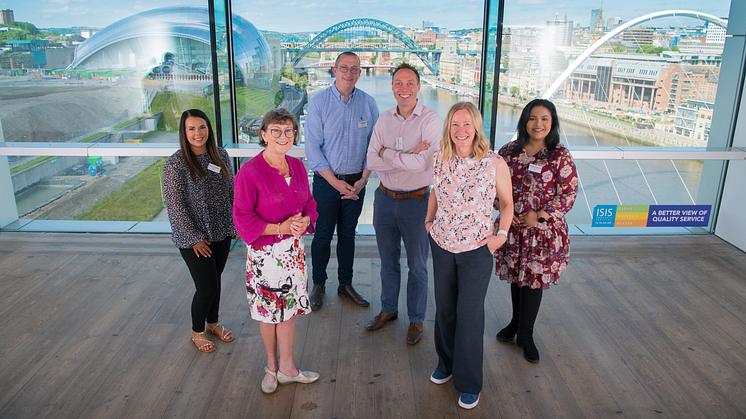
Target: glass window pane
x=126, y=80
x=443, y=43
x=620, y=76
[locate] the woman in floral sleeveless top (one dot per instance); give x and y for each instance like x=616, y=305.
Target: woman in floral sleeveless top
x=467, y=177
x=545, y=185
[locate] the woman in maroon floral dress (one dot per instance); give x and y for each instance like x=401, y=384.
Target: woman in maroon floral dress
x=545, y=185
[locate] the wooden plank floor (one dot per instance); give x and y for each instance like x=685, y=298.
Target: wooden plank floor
x=97, y=326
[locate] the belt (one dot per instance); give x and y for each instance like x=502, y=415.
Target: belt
x=351, y=179
x=406, y=195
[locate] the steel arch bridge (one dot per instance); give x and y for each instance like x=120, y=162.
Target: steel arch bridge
x=355, y=36
x=655, y=15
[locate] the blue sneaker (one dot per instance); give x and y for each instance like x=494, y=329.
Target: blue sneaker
x=439, y=378
x=468, y=401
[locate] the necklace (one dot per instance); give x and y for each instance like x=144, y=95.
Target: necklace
x=282, y=167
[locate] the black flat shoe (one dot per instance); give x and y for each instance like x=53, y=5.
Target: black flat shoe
x=508, y=332
x=530, y=352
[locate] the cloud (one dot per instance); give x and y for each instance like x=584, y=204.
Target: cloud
x=532, y=1
x=314, y=6
x=60, y=10
x=253, y=15
x=282, y=3
x=79, y=11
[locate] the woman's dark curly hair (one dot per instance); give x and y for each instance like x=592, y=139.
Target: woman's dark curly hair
x=551, y=140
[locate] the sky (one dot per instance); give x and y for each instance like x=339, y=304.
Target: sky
x=317, y=15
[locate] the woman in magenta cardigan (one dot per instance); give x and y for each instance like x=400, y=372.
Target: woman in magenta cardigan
x=272, y=209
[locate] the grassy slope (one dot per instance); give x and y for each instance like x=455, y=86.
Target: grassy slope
x=173, y=104
x=138, y=200
x=252, y=100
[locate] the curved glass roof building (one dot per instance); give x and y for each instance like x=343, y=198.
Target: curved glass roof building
x=179, y=35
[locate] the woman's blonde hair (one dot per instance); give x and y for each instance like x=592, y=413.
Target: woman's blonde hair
x=480, y=143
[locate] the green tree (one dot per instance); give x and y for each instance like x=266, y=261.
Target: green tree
x=28, y=28
x=514, y=91
x=649, y=49
x=620, y=48
x=646, y=49
x=373, y=59
x=335, y=38
x=279, y=97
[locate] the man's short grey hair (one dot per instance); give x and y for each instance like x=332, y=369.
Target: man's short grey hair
x=346, y=54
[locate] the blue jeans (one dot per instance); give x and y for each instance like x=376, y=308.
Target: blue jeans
x=342, y=214
x=460, y=282
x=396, y=220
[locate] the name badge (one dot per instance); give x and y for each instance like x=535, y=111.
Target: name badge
x=213, y=168
x=399, y=143
x=535, y=168
x=362, y=124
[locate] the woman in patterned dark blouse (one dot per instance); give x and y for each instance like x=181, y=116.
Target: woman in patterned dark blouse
x=545, y=184
x=198, y=188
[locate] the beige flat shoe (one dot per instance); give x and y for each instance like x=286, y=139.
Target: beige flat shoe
x=269, y=388
x=303, y=377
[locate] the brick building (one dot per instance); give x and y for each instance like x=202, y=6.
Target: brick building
x=649, y=83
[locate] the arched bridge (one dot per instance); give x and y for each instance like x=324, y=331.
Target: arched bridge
x=367, y=35
x=655, y=15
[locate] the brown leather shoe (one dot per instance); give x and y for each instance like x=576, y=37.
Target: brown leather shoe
x=349, y=292
x=380, y=319
x=414, y=334
x=316, y=294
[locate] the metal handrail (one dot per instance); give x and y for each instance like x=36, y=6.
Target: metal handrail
x=250, y=150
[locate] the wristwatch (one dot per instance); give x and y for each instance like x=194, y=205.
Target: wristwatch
x=541, y=219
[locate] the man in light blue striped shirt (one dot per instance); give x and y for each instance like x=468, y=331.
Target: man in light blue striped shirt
x=339, y=125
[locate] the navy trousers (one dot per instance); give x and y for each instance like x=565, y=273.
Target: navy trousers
x=461, y=281
x=342, y=214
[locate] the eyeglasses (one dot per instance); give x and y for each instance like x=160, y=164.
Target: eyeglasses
x=344, y=69
x=276, y=133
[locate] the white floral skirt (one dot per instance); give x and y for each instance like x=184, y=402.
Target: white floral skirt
x=277, y=281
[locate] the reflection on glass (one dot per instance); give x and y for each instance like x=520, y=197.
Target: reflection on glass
x=123, y=75
x=620, y=76
x=127, y=79
x=106, y=188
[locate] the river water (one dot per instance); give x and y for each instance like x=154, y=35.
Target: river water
x=612, y=182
